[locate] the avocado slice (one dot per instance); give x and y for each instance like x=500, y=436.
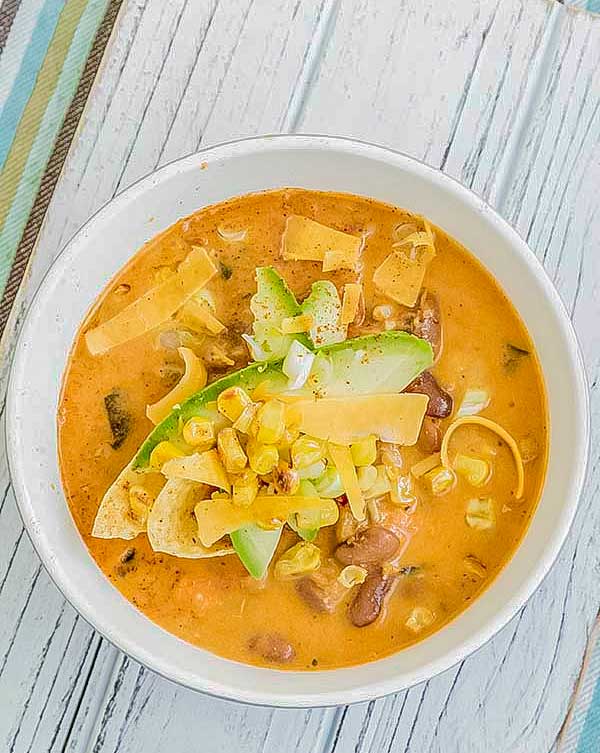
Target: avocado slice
x=368, y=365
x=271, y=304
x=324, y=305
x=255, y=547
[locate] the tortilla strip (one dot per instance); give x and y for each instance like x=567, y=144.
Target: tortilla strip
x=115, y=519
x=172, y=525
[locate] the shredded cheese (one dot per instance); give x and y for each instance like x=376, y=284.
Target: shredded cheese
x=307, y=240
x=497, y=429
x=155, y=306
x=400, y=275
x=194, y=379
x=342, y=459
x=350, y=302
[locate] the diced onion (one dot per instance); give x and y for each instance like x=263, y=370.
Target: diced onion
x=473, y=402
x=497, y=429
x=297, y=365
x=232, y=236
x=256, y=352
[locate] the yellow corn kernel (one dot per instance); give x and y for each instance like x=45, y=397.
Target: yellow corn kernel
x=475, y=470
x=270, y=422
x=306, y=451
x=367, y=476
x=440, y=480
x=199, y=432
x=327, y=516
x=285, y=479
x=352, y=575
x=162, y=452
x=302, y=558
x=480, y=514
x=419, y=618
x=262, y=457
x=364, y=452
x=401, y=491
x=230, y=450
x=244, y=421
x=381, y=485
x=245, y=488
x=293, y=325
x=232, y=401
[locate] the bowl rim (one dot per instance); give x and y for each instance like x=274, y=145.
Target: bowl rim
x=534, y=579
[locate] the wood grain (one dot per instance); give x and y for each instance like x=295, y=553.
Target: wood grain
x=503, y=96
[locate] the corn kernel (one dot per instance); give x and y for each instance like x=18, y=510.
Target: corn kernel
x=262, y=457
x=286, y=479
x=232, y=401
x=475, y=470
x=480, y=514
x=419, y=618
x=441, y=480
x=230, y=450
x=162, y=452
x=364, y=452
x=245, y=488
x=401, y=491
x=199, y=432
x=312, y=471
x=302, y=558
x=244, y=421
x=306, y=451
x=367, y=476
x=329, y=484
x=381, y=485
x=270, y=422
x=352, y=575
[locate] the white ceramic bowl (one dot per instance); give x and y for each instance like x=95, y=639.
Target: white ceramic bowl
x=107, y=241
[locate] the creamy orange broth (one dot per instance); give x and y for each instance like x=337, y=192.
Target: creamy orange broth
x=213, y=603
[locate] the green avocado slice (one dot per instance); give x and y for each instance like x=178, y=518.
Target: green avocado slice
x=368, y=365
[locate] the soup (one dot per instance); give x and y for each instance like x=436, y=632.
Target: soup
x=302, y=429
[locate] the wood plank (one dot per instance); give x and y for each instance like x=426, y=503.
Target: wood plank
x=223, y=76
x=159, y=55
x=524, y=676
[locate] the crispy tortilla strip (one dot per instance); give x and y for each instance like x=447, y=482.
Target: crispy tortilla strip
x=156, y=305
x=172, y=525
x=115, y=518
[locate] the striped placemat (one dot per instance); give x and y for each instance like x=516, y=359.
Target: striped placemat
x=50, y=51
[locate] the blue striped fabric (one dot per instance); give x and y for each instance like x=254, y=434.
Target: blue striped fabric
x=23, y=85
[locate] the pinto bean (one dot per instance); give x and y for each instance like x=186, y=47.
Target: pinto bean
x=371, y=546
x=427, y=323
x=440, y=402
x=272, y=647
x=315, y=595
x=430, y=438
x=368, y=601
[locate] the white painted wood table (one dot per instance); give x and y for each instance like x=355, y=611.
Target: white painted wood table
x=505, y=96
